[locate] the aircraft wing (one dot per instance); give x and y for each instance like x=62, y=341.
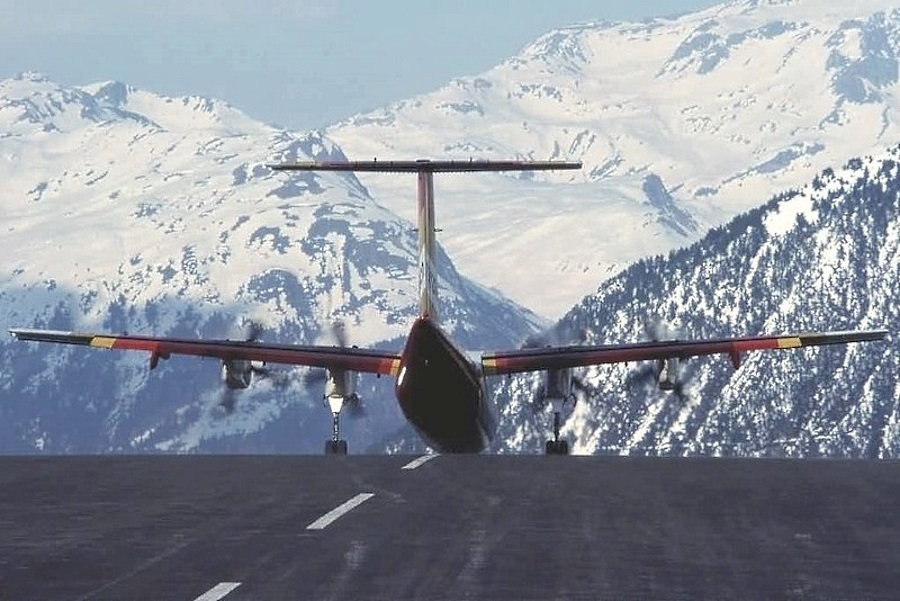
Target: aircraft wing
x=508, y=362
x=334, y=357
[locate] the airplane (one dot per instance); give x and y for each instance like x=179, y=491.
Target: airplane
x=441, y=389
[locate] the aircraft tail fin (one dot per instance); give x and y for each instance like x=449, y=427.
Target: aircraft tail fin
x=425, y=170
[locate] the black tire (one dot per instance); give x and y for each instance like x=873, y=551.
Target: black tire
x=336, y=447
x=557, y=447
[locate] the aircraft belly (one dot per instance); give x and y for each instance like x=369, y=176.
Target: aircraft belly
x=441, y=394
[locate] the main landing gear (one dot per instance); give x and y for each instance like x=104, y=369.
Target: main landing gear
x=336, y=446
x=557, y=390
x=557, y=446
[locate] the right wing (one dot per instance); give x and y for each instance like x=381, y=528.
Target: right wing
x=333, y=357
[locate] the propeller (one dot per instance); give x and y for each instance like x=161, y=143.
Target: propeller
x=647, y=374
x=642, y=376
x=228, y=397
x=560, y=335
x=354, y=407
x=252, y=330
x=656, y=330
x=337, y=332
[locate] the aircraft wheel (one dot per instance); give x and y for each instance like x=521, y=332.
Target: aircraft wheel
x=557, y=447
x=335, y=447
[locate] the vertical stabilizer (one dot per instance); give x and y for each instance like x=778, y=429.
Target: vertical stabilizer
x=427, y=268
x=425, y=170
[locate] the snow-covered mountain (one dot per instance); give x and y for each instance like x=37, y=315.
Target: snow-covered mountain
x=822, y=257
x=127, y=211
x=681, y=123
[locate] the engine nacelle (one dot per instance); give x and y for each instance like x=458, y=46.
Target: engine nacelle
x=556, y=388
x=340, y=388
x=558, y=383
x=237, y=373
x=668, y=373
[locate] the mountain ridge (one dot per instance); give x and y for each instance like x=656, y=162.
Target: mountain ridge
x=822, y=257
x=720, y=108
x=208, y=239
x=129, y=211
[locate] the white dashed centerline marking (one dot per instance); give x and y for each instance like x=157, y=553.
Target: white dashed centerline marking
x=218, y=591
x=340, y=510
x=418, y=462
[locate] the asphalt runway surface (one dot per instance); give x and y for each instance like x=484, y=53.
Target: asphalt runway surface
x=450, y=527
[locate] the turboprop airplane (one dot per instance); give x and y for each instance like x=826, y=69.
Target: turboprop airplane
x=440, y=388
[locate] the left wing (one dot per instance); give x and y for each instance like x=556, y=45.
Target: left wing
x=508, y=362
x=333, y=357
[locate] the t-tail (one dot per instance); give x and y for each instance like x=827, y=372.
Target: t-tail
x=425, y=170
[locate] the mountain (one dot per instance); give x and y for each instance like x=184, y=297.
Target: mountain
x=125, y=210
x=128, y=211
x=682, y=123
x=825, y=256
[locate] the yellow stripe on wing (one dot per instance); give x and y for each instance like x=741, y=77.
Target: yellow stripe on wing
x=395, y=367
x=489, y=365
x=789, y=342
x=103, y=342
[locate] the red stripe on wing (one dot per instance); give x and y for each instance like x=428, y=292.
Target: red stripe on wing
x=508, y=362
x=355, y=359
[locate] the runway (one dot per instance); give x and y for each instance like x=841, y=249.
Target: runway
x=449, y=527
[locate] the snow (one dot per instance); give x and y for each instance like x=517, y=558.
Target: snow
x=784, y=218
x=631, y=100
x=133, y=210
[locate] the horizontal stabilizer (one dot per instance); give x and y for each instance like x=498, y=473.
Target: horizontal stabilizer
x=425, y=165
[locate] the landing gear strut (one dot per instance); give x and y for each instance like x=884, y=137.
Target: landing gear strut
x=556, y=446
x=557, y=389
x=335, y=446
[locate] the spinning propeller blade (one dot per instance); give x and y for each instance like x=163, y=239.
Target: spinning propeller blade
x=657, y=329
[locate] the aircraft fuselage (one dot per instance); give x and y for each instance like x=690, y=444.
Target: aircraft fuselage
x=442, y=393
